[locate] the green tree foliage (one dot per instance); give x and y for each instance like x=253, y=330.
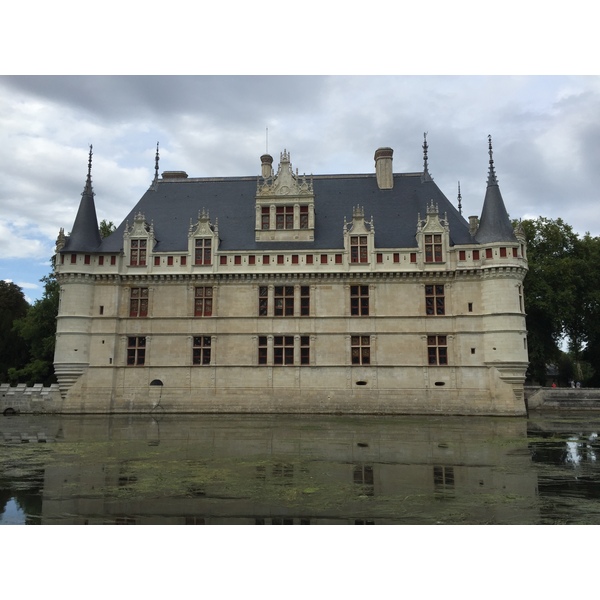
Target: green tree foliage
x=562, y=298
x=106, y=228
x=13, y=350
x=38, y=330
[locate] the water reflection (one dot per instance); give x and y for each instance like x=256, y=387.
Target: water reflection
x=304, y=470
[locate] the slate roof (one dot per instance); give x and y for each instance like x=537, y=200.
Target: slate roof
x=170, y=205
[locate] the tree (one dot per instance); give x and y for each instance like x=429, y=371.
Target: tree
x=106, y=228
x=13, y=350
x=38, y=330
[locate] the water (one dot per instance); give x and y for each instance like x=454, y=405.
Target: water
x=301, y=470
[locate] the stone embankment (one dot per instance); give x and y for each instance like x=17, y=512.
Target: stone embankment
x=553, y=399
x=34, y=399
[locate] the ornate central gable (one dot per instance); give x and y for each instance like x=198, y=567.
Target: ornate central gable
x=285, y=204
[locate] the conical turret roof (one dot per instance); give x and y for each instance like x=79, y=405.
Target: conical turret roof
x=494, y=225
x=85, y=235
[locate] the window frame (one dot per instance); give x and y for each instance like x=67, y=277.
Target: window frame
x=201, y=350
x=360, y=350
x=139, y=301
x=435, y=299
x=136, y=350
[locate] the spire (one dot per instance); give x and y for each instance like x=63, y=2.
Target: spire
x=492, y=173
x=426, y=176
x=494, y=225
x=459, y=200
x=156, y=164
x=85, y=236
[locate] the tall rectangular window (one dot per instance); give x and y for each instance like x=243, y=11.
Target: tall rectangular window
x=265, y=217
x=136, y=350
x=284, y=301
x=360, y=349
x=359, y=300
x=203, y=301
x=437, y=349
x=201, y=350
x=203, y=251
x=262, y=350
x=138, y=302
x=475, y=254
x=137, y=256
x=358, y=249
x=283, y=350
x=433, y=247
x=304, y=300
x=304, y=350
x=263, y=301
x=435, y=302
x=304, y=217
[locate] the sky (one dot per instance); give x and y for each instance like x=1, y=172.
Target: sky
x=216, y=117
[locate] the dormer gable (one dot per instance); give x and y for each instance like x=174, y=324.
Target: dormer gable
x=203, y=239
x=285, y=203
x=433, y=235
x=359, y=237
x=138, y=241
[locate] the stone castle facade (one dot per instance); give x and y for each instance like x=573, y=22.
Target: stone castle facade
x=361, y=293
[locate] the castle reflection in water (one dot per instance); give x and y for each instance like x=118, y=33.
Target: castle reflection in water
x=261, y=469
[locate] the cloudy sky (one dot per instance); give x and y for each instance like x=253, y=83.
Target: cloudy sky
x=545, y=130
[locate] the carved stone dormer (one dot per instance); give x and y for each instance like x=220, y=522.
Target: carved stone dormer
x=138, y=241
x=203, y=240
x=433, y=235
x=359, y=237
x=285, y=204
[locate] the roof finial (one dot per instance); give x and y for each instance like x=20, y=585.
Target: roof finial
x=426, y=175
x=90, y=163
x=156, y=164
x=459, y=200
x=88, y=183
x=492, y=174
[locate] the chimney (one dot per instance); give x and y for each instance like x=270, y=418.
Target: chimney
x=473, y=224
x=266, y=162
x=383, y=168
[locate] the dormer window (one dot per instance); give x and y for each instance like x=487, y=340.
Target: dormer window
x=285, y=209
x=138, y=241
x=203, y=251
x=359, y=237
x=433, y=236
x=203, y=239
x=137, y=255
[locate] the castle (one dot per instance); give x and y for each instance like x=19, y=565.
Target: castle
x=359, y=293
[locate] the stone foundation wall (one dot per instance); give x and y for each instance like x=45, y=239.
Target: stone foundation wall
x=35, y=399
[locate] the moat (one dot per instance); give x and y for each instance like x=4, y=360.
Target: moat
x=304, y=469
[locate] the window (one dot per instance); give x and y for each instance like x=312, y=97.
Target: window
x=437, y=349
x=309, y=259
x=101, y=260
x=87, y=259
x=413, y=257
x=157, y=261
x=363, y=476
x=170, y=261
x=284, y=301
x=137, y=256
x=304, y=350
x=379, y=257
x=361, y=349
x=304, y=217
x=284, y=217
x=237, y=259
x=280, y=259
x=265, y=217
x=136, y=351
x=266, y=259
x=283, y=350
x=433, y=247
x=113, y=260
x=323, y=259
x=443, y=478
x=488, y=253
x=203, y=302
x=201, y=350
x=304, y=300
x=359, y=300
x=73, y=258
x=252, y=259
x=462, y=255
x=183, y=261
x=294, y=259
x=203, y=251
x=396, y=257
x=515, y=252
x=358, y=249
x=262, y=350
x=223, y=260
x=503, y=252
x=263, y=301
x=475, y=254
x=138, y=302
x=434, y=300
